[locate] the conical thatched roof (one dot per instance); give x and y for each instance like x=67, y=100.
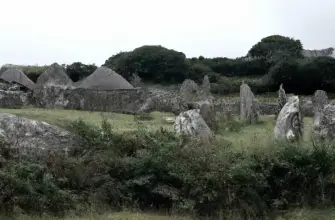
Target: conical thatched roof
x=54, y=76
x=105, y=79
x=15, y=75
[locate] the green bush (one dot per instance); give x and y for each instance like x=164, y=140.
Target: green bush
x=152, y=63
x=159, y=170
x=316, y=73
x=78, y=71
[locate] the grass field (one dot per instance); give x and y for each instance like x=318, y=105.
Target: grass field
x=254, y=136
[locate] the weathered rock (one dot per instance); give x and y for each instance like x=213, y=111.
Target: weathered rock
x=14, y=99
x=208, y=113
x=34, y=138
x=289, y=123
x=206, y=86
x=189, y=91
x=324, y=128
x=190, y=123
x=320, y=99
x=282, y=99
x=248, y=105
x=51, y=97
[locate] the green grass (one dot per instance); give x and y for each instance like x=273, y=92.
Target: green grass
x=250, y=136
x=120, y=122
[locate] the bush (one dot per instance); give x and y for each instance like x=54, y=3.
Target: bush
x=316, y=73
x=160, y=170
x=77, y=70
x=227, y=85
x=152, y=63
x=273, y=45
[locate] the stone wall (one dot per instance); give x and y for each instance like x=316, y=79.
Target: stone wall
x=123, y=101
x=14, y=99
x=265, y=108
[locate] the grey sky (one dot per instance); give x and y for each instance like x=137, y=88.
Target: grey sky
x=64, y=31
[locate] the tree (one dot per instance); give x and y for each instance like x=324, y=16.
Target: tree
x=304, y=76
x=152, y=63
x=77, y=70
x=275, y=45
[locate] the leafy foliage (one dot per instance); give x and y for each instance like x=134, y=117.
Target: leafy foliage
x=77, y=70
x=276, y=44
x=162, y=171
x=154, y=63
x=316, y=73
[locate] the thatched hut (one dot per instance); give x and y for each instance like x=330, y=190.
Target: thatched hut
x=104, y=79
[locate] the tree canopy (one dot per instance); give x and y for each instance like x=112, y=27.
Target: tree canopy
x=151, y=62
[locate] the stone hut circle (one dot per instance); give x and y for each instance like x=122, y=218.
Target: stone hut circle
x=104, y=79
x=17, y=76
x=54, y=76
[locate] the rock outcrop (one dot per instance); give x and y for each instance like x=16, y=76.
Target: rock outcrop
x=289, y=125
x=33, y=138
x=190, y=123
x=248, y=105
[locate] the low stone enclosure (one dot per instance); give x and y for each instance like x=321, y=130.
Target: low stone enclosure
x=118, y=100
x=116, y=95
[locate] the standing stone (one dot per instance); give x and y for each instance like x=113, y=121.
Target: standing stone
x=322, y=121
x=324, y=130
x=248, y=105
x=207, y=112
x=206, y=86
x=320, y=100
x=189, y=91
x=190, y=123
x=282, y=99
x=289, y=123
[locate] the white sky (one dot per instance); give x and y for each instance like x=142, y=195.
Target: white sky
x=65, y=31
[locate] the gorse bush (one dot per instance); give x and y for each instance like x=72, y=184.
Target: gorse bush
x=159, y=170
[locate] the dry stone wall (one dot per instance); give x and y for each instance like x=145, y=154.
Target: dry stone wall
x=124, y=101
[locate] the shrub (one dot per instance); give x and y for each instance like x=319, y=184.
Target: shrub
x=317, y=73
x=152, y=63
x=160, y=170
x=77, y=70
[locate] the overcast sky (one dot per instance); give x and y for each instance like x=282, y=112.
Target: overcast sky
x=64, y=31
